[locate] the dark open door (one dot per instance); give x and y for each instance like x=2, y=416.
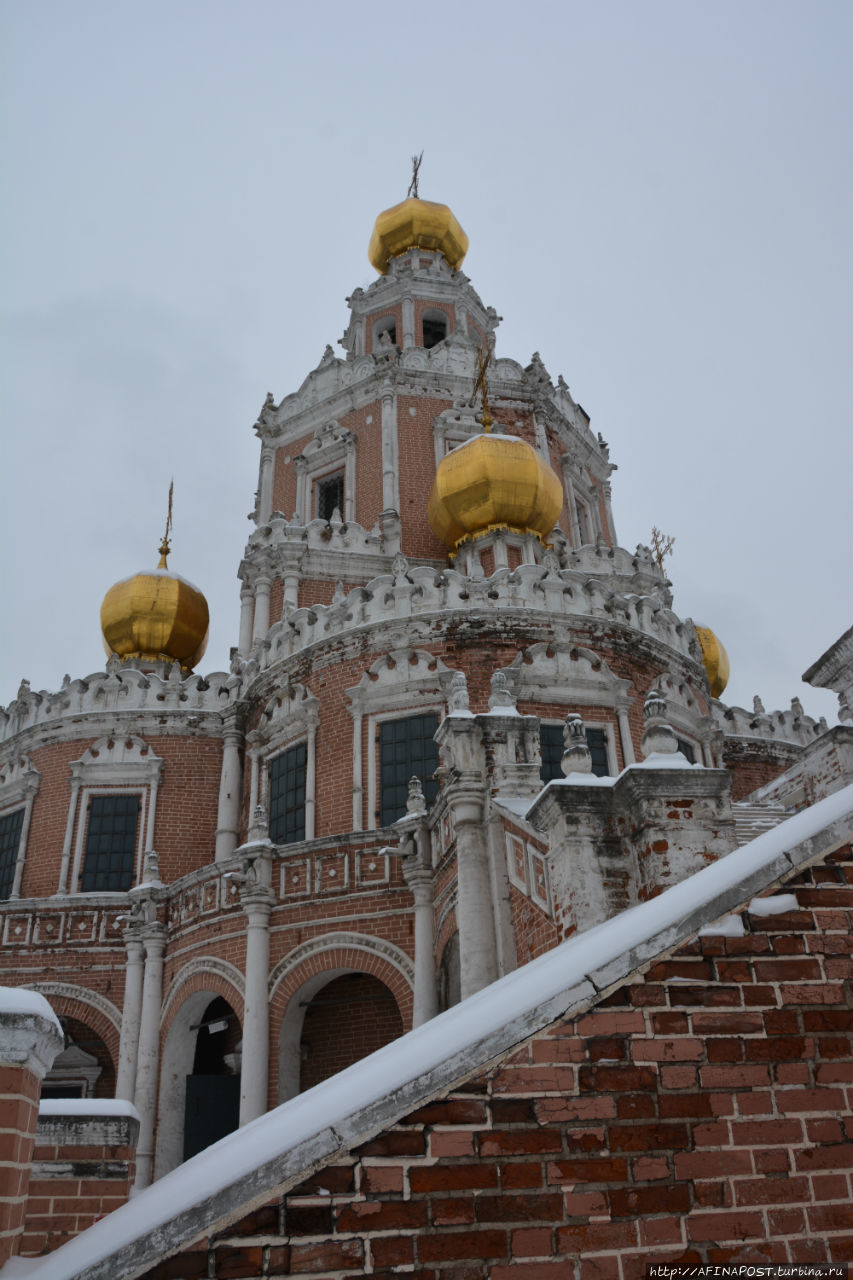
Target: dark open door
x=212, y=1109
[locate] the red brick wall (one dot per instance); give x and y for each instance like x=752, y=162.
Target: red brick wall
x=348, y=1018
x=699, y=1114
x=416, y=443
x=19, y=1100
x=76, y=1186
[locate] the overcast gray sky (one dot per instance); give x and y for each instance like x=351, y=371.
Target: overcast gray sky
x=658, y=198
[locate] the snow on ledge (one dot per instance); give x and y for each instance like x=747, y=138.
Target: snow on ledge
x=776, y=905
x=101, y=1107
x=26, y=1003
x=313, y=1128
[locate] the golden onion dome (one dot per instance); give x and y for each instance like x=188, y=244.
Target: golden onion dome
x=494, y=481
x=155, y=616
x=416, y=224
x=714, y=659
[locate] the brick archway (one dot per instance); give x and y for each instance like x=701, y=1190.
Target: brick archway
x=299, y=976
x=91, y=1008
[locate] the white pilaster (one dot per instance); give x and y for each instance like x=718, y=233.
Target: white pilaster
x=266, y=485
x=390, y=481
x=262, y=608
x=247, y=608
x=230, y=779
x=130, y=1017
x=625, y=736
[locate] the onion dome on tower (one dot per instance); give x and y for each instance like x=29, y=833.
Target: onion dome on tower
x=156, y=616
x=416, y=224
x=714, y=659
x=493, y=482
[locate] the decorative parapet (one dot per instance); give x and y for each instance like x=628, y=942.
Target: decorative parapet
x=794, y=726
x=421, y=591
x=118, y=689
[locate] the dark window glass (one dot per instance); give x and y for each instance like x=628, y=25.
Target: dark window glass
x=686, y=749
x=435, y=331
x=10, y=838
x=287, y=795
x=110, y=844
x=330, y=496
x=551, y=740
x=582, y=526
x=406, y=750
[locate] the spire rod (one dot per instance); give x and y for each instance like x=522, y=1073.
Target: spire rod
x=484, y=359
x=165, y=547
x=413, y=185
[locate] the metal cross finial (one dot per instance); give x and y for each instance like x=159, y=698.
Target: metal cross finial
x=662, y=545
x=484, y=359
x=165, y=548
x=413, y=185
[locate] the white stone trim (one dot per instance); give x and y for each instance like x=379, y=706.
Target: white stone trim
x=81, y=802
x=345, y=941
x=94, y=999
x=202, y=965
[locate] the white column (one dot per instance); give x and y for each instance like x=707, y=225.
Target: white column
x=474, y=914
x=266, y=485
x=425, y=1004
x=291, y=589
x=69, y=832
x=262, y=608
x=408, y=323
x=607, y=490
x=254, y=784
x=130, y=1017
x=230, y=779
x=148, y=1062
x=247, y=607
x=625, y=736
x=390, y=482
x=254, y=1071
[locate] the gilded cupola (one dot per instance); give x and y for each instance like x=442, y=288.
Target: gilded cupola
x=416, y=224
x=156, y=615
x=493, y=481
x=714, y=659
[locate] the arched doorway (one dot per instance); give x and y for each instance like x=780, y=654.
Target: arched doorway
x=199, y=1079
x=84, y=1068
x=346, y=1019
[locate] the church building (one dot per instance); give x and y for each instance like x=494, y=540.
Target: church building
x=462, y=727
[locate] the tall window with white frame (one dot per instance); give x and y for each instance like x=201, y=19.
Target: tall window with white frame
x=286, y=796
x=10, y=839
x=406, y=750
x=110, y=853
x=553, y=746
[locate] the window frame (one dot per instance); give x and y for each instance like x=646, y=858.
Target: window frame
x=19, y=786
x=377, y=726
x=85, y=812
x=8, y=871
x=295, y=747
x=112, y=764
x=135, y=851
